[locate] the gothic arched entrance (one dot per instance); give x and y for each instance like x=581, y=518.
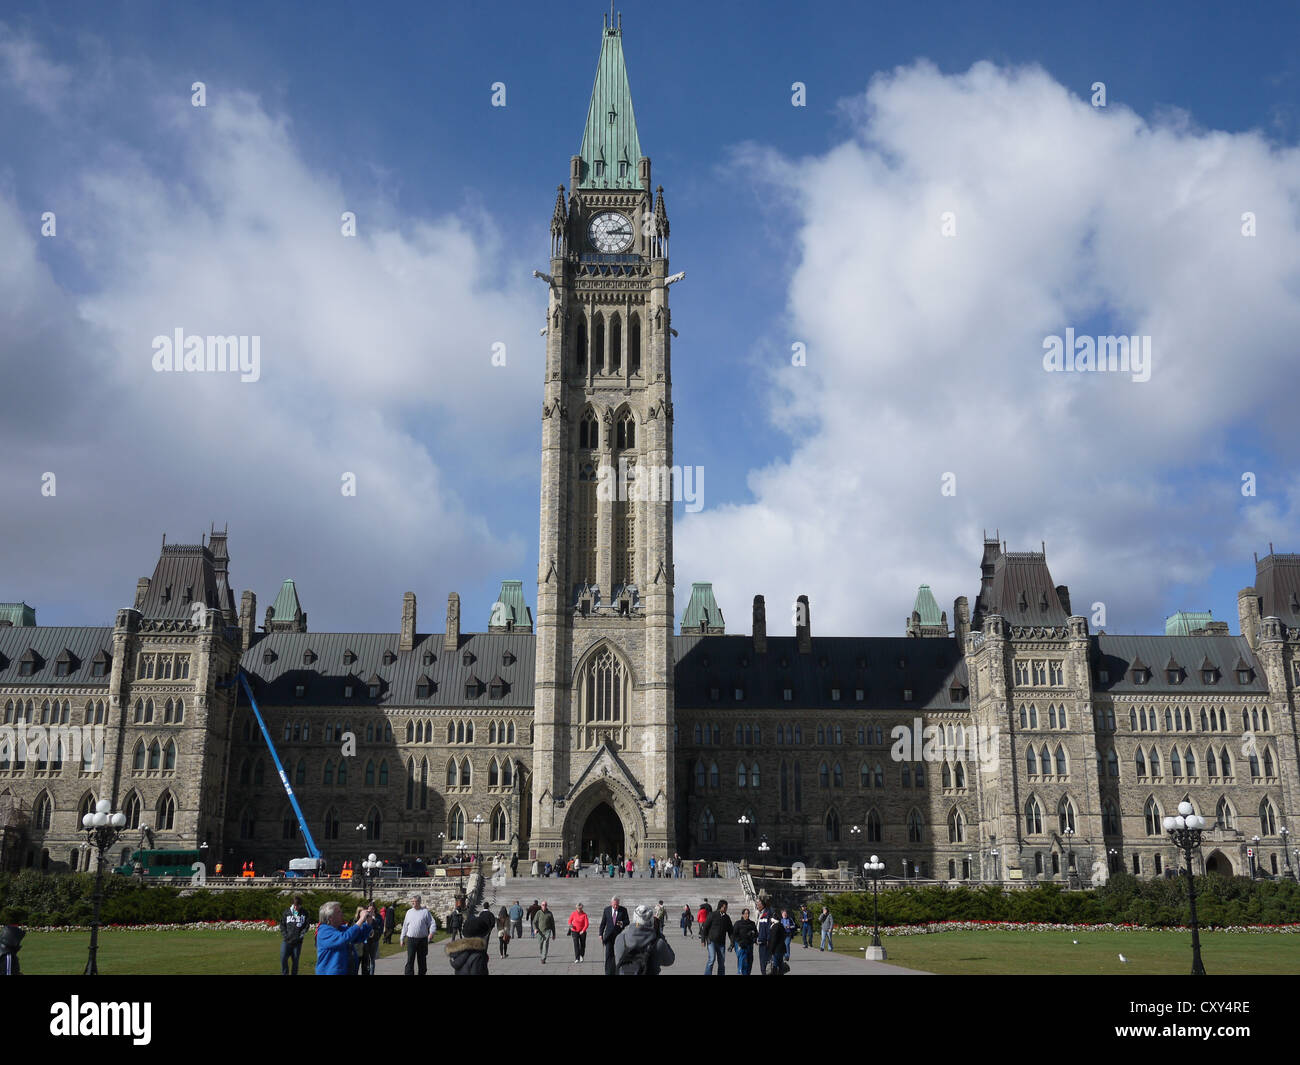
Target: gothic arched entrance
x=1218, y=864
x=602, y=833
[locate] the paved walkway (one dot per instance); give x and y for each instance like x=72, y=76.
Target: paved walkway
x=524, y=960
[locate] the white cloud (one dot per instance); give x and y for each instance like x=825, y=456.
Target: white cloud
x=925, y=352
x=375, y=360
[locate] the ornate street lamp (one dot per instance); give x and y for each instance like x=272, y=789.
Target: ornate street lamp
x=368, y=870
x=744, y=823
x=1286, y=852
x=103, y=828
x=763, y=848
x=478, y=827
x=997, y=869
x=460, y=865
x=874, y=868
x=1254, y=856
x=1185, y=833
x=855, y=832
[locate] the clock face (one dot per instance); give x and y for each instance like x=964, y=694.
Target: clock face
x=610, y=232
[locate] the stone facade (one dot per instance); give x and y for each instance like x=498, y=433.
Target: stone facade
x=1018, y=745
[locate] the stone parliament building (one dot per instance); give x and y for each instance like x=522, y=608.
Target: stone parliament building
x=1031, y=747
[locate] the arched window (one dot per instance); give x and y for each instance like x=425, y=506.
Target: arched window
x=383, y=772
x=460, y=732
x=615, y=344
x=169, y=761
x=956, y=826
x=1267, y=818
x=342, y=779
x=132, y=810
x=451, y=732
x=945, y=775
x=699, y=776
x=155, y=755
x=785, y=787
x=715, y=779
x=424, y=783
x=165, y=813
x=42, y=812
x=374, y=824
x=915, y=828
x=410, y=732
x=597, y=343
x=494, y=774
x=798, y=788
x=837, y=775
x=1152, y=817
x=634, y=344
x=1268, y=761
x=510, y=732
x=247, y=826
x=1062, y=768
x=1031, y=761
x=498, y=825
x=138, y=757
x=832, y=826
x=753, y=775
x=742, y=775
x=370, y=773
x=824, y=775
x=327, y=777
x=1065, y=815
x=492, y=732
x=506, y=774
x=469, y=731
x=1033, y=817
x=604, y=690
x=1141, y=761
x=959, y=774
x=456, y=824
x=1175, y=762
x=1225, y=762
x=708, y=827
x=1109, y=818
x=465, y=775
x=1112, y=764
x=1252, y=760
x=626, y=431
x=873, y=826
x=1223, y=814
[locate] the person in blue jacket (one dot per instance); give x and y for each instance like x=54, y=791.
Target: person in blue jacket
x=334, y=940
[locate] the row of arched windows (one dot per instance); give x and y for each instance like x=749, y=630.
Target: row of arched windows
x=496, y=822
x=591, y=350
x=1045, y=763
x=164, y=811
x=155, y=757
x=172, y=712
x=1180, y=719
x=1053, y=717
x=1148, y=763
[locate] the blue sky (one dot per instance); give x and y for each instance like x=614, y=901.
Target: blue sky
x=820, y=482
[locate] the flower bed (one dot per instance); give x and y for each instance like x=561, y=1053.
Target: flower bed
x=1034, y=926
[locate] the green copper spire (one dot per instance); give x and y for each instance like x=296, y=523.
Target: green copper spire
x=287, y=615
x=702, y=612
x=611, y=149
x=925, y=606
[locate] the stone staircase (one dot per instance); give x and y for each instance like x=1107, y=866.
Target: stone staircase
x=594, y=892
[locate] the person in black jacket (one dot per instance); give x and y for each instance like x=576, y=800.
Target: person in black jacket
x=293, y=929
x=469, y=954
x=777, y=946
x=11, y=938
x=716, y=931
x=612, y=921
x=390, y=921
x=743, y=935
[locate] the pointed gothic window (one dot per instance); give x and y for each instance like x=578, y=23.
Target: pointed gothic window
x=615, y=344
x=598, y=344
x=580, y=348
x=634, y=344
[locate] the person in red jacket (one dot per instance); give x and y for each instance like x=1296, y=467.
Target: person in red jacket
x=579, y=922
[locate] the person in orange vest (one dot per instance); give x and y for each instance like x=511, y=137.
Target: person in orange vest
x=218, y=872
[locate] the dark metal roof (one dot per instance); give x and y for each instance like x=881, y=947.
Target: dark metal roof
x=929, y=669
x=1118, y=654
x=1022, y=590
x=49, y=642
x=1277, y=582
x=324, y=678
x=185, y=574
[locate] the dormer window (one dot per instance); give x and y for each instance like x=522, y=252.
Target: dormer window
x=787, y=694
x=423, y=688
x=428, y=658
x=467, y=659
x=268, y=656
x=860, y=694
x=600, y=163
x=473, y=688
x=308, y=657
x=389, y=658
x=1243, y=676
x=835, y=695
x=1174, y=676
x=374, y=691
x=347, y=691
x=99, y=665
x=348, y=658
x=299, y=690
x=1141, y=676
x=740, y=694
x=907, y=695
x=622, y=168
x=497, y=689
x=188, y=597
x=166, y=594
x=508, y=659
x=1103, y=676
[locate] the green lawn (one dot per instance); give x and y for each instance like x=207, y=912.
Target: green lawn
x=1056, y=953
x=167, y=953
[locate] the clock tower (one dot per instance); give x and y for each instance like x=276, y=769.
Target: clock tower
x=603, y=710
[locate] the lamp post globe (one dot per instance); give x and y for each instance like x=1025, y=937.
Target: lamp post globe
x=1185, y=830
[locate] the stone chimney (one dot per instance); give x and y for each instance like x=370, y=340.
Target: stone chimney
x=1248, y=613
x=1063, y=594
x=961, y=619
x=451, y=640
x=803, y=626
x=141, y=590
x=407, y=642
x=247, y=618
x=760, y=625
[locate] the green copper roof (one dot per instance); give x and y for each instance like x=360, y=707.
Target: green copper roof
x=515, y=610
x=609, y=137
x=702, y=609
x=17, y=614
x=1185, y=622
x=926, y=606
x=286, y=606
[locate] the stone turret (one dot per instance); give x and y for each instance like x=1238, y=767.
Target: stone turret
x=407, y=641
